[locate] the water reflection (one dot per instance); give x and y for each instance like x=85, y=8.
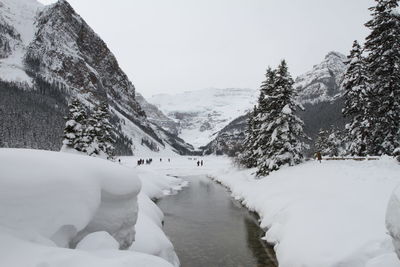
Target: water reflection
x=208, y=228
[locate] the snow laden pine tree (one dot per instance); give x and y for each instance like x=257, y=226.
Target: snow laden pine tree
x=74, y=131
x=247, y=158
x=254, y=142
x=330, y=142
x=334, y=143
x=103, y=141
x=280, y=130
x=321, y=141
x=382, y=48
x=89, y=134
x=358, y=107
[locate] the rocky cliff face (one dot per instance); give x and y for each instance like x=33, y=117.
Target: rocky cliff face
x=65, y=47
x=156, y=116
x=50, y=52
x=322, y=83
x=228, y=141
x=320, y=91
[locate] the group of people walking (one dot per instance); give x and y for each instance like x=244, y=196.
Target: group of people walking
x=143, y=161
x=148, y=161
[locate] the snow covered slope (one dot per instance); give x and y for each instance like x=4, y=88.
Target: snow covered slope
x=200, y=114
x=156, y=116
x=17, y=18
x=48, y=54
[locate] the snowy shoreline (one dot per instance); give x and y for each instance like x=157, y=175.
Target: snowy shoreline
x=83, y=211
x=304, y=236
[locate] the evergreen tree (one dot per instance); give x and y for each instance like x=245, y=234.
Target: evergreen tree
x=334, y=143
x=103, y=130
x=382, y=47
x=92, y=133
x=247, y=158
x=358, y=106
x=255, y=142
x=281, y=131
x=321, y=141
x=74, y=136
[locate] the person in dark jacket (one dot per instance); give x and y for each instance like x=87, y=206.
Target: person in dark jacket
x=318, y=156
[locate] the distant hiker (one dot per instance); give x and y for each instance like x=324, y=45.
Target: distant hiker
x=160, y=159
x=169, y=160
x=318, y=156
x=201, y=163
x=119, y=161
x=198, y=163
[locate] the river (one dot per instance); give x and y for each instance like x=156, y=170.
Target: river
x=209, y=228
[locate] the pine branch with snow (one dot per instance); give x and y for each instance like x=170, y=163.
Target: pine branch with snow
x=74, y=132
x=382, y=47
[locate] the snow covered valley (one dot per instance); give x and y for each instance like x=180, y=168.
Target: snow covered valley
x=315, y=214
x=60, y=209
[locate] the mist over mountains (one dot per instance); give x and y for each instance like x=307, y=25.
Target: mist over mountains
x=215, y=119
x=49, y=54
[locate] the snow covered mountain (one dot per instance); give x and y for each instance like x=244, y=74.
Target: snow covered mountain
x=48, y=54
x=201, y=114
x=156, y=116
x=322, y=83
x=318, y=90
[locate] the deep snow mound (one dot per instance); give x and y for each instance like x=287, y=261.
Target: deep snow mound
x=51, y=202
x=63, y=197
x=393, y=219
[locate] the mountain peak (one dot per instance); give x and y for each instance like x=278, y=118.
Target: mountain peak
x=335, y=55
x=322, y=83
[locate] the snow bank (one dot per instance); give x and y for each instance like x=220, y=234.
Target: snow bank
x=16, y=252
x=150, y=238
x=97, y=241
x=393, y=219
x=329, y=214
x=50, y=201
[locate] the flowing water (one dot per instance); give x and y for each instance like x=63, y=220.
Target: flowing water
x=210, y=229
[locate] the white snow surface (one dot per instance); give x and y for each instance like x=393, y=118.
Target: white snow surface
x=393, y=219
x=204, y=112
x=98, y=241
x=326, y=214
x=50, y=201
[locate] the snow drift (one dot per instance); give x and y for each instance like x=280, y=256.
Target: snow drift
x=52, y=201
x=393, y=219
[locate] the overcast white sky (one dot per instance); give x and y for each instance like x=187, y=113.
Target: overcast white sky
x=168, y=46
